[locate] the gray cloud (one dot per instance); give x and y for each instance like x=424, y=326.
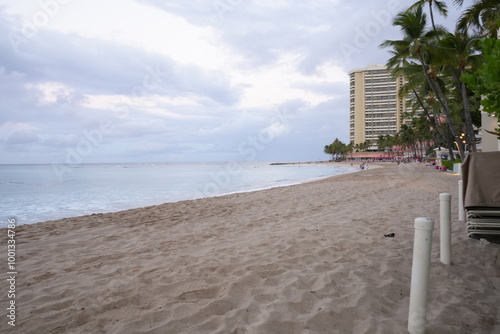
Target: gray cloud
x=171, y=110
x=22, y=138
x=99, y=66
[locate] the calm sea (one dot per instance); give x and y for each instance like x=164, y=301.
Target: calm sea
x=35, y=193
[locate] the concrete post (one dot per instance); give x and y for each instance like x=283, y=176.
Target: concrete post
x=420, y=275
x=445, y=228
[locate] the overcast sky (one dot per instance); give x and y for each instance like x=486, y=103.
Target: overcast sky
x=86, y=81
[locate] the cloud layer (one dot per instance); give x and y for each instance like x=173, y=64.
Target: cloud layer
x=151, y=81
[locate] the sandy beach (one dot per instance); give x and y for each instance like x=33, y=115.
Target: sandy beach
x=310, y=258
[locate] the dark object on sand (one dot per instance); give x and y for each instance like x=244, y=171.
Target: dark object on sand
x=390, y=235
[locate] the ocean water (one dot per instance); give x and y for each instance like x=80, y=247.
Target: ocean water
x=36, y=193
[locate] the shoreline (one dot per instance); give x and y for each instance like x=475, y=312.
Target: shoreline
x=306, y=258
x=188, y=199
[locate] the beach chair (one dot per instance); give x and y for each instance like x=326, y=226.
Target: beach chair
x=483, y=221
x=481, y=193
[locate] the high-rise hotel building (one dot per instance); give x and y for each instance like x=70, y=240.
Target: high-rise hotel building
x=375, y=107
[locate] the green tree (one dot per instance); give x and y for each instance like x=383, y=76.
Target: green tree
x=381, y=142
x=350, y=147
x=423, y=133
x=419, y=45
x=459, y=55
x=397, y=142
x=440, y=6
x=421, y=98
x=385, y=142
x=485, y=81
x=407, y=136
x=328, y=150
x=337, y=148
x=364, y=145
x=483, y=16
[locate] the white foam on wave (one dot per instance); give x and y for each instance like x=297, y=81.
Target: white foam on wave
x=33, y=193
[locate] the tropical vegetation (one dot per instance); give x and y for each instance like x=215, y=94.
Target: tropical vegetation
x=449, y=76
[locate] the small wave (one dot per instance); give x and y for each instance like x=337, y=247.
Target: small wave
x=101, y=190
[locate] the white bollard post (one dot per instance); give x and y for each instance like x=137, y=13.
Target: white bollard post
x=420, y=275
x=461, y=210
x=445, y=228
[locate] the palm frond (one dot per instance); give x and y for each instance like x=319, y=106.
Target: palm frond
x=442, y=7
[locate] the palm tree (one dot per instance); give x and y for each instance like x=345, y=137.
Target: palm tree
x=407, y=137
x=328, y=150
x=389, y=142
x=385, y=142
x=364, y=145
x=422, y=132
x=338, y=147
x=419, y=44
x=441, y=7
x=483, y=16
x=350, y=147
x=460, y=56
x=368, y=143
x=419, y=95
x=486, y=79
x=397, y=142
x=381, y=142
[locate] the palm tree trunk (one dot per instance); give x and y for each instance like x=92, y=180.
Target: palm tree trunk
x=432, y=15
x=440, y=96
x=431, y=119
x=451, y=140
x=471, y=137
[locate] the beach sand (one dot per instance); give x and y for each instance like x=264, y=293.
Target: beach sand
x=310, y=258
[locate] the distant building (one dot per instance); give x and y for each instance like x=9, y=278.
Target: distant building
x=375, y=108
